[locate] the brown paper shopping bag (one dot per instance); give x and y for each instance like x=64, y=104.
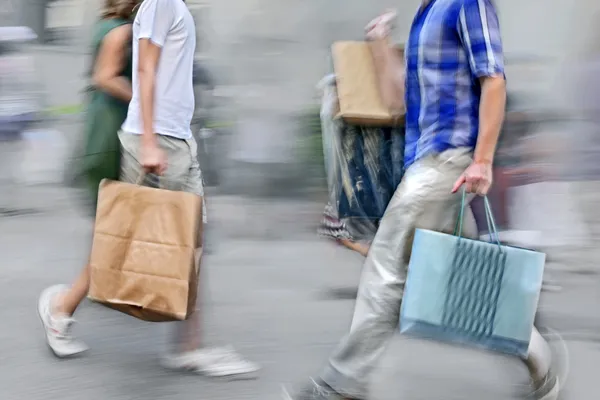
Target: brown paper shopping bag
x=143, y=260
x=390, y=73
x=361, y=71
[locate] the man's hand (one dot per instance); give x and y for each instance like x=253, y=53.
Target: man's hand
x=154, y=160
x=478, y=178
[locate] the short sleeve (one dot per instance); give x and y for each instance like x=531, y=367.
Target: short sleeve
x=479, y=31
x=155, y=19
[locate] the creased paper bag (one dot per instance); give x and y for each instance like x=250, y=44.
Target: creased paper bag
x=143, y=259
x=358, y=85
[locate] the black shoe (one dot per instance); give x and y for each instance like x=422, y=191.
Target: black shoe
x=316, y=390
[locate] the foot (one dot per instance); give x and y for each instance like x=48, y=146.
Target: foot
x=316, y=390
x=547, y=389
x=218, y=362
x=360, y=248
x=57, y=327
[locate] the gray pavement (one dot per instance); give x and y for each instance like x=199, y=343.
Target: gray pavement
x=275, y=297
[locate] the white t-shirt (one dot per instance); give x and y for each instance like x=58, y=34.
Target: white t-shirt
x=170, y=25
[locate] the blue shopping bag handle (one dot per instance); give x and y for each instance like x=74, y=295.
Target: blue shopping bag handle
x=489, y=216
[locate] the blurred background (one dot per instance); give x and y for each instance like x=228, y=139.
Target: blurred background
x=273, y=286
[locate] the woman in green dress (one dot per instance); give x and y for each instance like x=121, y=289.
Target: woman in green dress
x=108, y=100
x=108, y=95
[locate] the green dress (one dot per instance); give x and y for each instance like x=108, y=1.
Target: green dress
x=104, y=116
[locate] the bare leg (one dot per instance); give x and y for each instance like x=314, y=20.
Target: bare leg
x=187, y=334
x=189, y=355
x=358, y=247
x=56, y=306
x=68, y=302
x=364, y=249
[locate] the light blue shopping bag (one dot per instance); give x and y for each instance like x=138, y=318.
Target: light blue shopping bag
x=471, y=292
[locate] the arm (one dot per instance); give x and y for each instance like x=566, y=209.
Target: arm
x=110, y=63
x=149, y=54
x=389, y=62
x=491, y=116
x=155, y=19
x=479, y=30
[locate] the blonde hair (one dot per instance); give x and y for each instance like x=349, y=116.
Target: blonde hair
x=118, y=8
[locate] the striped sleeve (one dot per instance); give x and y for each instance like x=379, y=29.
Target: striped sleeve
x=479, y=31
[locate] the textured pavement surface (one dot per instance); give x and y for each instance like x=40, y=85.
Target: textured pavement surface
x=275, y=297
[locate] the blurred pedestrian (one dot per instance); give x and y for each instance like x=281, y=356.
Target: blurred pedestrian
x=108, y=98
x=337, y=229
x=156, y=140
x=455, y=99
x=108, y=95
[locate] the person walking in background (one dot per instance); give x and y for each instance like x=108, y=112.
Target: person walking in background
x=363, y=165
x=336, y=229
x=455, y=100
x=108, y=100
x=108, y=95
x=156, y=139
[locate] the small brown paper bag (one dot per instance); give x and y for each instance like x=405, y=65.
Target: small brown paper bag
x=143, y=259
x=361, y=72
x=390, y=73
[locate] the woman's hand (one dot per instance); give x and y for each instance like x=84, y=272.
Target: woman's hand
x=381, y=27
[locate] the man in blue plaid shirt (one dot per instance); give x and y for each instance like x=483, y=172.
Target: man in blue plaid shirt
x=455, y=100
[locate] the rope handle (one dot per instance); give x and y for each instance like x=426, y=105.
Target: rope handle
x=489, y=216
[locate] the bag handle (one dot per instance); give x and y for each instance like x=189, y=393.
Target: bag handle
x=489, y=216
x=142, y=176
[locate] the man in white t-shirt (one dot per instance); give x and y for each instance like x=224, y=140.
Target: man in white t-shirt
x=156, y=140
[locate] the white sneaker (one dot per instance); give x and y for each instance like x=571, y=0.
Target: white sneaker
x=57, y=327
x=217, y=362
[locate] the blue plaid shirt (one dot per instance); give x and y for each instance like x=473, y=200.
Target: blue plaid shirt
x=451, y=44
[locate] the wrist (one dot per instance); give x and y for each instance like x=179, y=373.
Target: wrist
x=148, y=139
x=487, y=161
x=483, y=155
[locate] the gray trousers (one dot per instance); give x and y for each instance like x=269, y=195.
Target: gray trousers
x=422, y=200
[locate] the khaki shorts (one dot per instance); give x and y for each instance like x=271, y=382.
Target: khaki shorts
x=182, y=173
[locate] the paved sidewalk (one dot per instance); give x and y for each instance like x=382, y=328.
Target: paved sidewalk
x=276, y=300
